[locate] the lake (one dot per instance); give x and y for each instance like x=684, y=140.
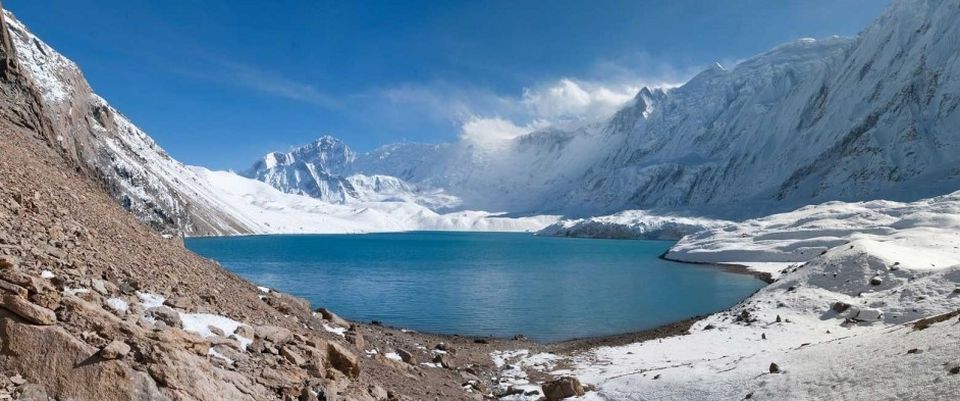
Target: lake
x=479, y=284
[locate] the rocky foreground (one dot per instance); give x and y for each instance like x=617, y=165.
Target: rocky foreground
x=94, y=305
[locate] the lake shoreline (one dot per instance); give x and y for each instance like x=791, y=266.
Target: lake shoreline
x=727, y=267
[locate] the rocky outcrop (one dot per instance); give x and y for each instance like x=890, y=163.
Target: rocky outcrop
x=105, y=146
x=564, y=387
x=65, y=366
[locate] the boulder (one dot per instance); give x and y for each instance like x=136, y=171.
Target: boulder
x=273, y=334
x=216, y=331
x=564, y=387
x=28, y=311
x=165, y=314
x=406, y=356
x=29, y=282
x=67, y=374
x=354, y=337
x=115, y=350
x=868, y=315
x=774, y=368
x=6, y=286
x=840, y=307
x=33, y=392
x=293, y=356
x=178, y=302
x=333, y=318
x=8, y=262
x=343, y=360
x=377, y=392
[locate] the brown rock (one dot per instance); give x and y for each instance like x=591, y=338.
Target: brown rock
x=18, y=380
x=377, y=392
x=216, y=331
x=774, y=368
x=176, y=337
x=406, y=356
x=165, y=314
x=564, y=387
x=47, y=299
x=6, y=286
x=23, y=280
x=343, y=360
x=33, y=392
x=32, y=313
x=333, y=318
x=354, y=337
x=293, y=356
x=178, y=302
x=8, y=262
x=273, y=334
x=65, y=372
x=115, y=350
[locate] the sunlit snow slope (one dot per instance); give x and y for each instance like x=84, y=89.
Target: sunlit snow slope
x=175, y=198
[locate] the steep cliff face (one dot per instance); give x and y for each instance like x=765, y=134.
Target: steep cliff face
x=810, y=121
x=104, y=144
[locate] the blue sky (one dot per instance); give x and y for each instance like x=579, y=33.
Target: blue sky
x=220, y=82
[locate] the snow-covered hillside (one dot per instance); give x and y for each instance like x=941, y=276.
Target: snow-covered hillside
x=840, y=322
x=267, y=210
x=101, y=141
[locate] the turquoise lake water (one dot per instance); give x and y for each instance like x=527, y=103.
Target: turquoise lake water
x=480, y=284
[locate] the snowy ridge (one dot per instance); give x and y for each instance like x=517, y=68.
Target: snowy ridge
x=325, y=169
x=634, y=224
x=106, y=145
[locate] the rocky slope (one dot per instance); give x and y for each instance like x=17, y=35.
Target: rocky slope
x=102, y=143
x=95, y=305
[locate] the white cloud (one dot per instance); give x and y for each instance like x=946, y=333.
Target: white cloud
x=567, y=99
x=267, y=82
x=490, y=131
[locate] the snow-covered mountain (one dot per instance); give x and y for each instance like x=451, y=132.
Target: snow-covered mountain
x=849, y=119
x=179, y=199
x=814, y=120
x=869, y=117
x=323, y=170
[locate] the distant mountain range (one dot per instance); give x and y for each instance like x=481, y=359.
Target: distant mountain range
x=869, y=117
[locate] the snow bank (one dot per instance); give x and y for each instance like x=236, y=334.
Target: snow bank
x=633, y=224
